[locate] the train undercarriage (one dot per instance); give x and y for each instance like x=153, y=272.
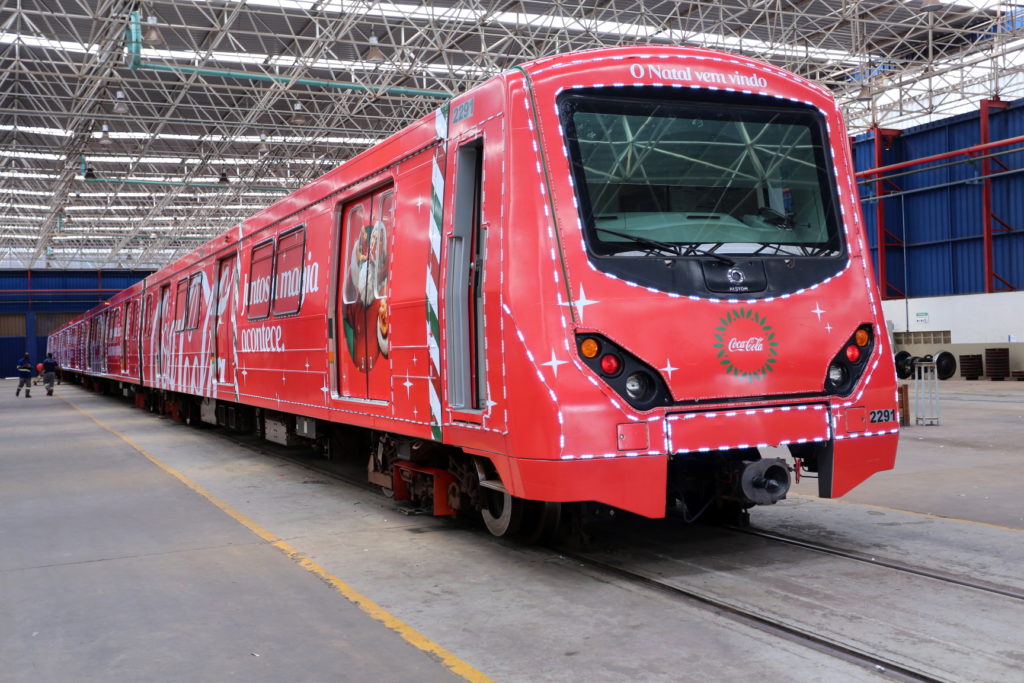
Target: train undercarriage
x=430, y=478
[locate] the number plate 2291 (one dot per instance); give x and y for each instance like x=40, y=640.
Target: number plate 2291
x=887, y=415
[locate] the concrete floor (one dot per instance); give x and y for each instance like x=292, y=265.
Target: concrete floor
x=116, y=570
x=969, y=466
x=113, y=570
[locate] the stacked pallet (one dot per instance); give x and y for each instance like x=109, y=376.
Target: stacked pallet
x=1018, y=375
x=971, y=367
x=997, y=364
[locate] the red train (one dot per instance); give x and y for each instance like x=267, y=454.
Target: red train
x=616, y=276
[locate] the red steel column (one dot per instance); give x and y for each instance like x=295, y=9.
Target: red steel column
x=986, y=193
x=883, y=279
x=882, y=139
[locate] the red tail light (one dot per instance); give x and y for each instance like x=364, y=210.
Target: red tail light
x=853, y=353
x=610, y=364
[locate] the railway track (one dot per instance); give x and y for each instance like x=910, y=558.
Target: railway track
x=874, y=561
x=750, y=617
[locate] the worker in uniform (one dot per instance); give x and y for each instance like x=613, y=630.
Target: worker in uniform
x=49, y=373
x=24, y=377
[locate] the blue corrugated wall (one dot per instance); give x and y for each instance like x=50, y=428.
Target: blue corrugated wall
x=52, y=291
x=941, y=227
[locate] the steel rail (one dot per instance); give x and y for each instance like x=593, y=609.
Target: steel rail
x=888, y=564
x=763, y=623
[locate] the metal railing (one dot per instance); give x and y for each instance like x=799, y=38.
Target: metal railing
x=926, y=394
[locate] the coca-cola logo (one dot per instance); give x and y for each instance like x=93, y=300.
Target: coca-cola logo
x=746, y=345
x=751, y=344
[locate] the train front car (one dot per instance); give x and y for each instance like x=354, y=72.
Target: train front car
x=699, y=316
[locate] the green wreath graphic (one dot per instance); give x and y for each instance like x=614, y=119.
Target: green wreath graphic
x=723, y=352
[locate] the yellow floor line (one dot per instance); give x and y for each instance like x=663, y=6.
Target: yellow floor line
x=415, y=638
x=908, y=512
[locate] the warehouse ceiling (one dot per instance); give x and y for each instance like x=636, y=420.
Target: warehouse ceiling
x=131, y=132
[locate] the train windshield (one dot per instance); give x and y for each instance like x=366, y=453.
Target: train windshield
x=714, y=177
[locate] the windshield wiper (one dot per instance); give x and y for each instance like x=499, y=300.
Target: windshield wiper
x=646, y=241
x=669, y=247
x=694, y=249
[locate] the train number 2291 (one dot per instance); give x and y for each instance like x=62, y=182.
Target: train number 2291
x=888, y=415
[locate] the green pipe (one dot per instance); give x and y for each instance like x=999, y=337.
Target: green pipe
x=135, y=62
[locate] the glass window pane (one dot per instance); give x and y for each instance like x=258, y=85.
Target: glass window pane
x=180, y=299
x=288, y=285
x=259, y=280
x=723, y=177
x=195, y=301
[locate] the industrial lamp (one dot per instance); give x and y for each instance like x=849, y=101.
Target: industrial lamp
x=120, y=106
x=299, y=117
x=152, y=36
x=373, y=53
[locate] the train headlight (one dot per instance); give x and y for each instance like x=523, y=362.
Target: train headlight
x=639, y=385
x=837, y=375
x=861, y=337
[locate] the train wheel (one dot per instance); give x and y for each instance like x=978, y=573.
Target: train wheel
x=543, y=521
x=503, y=513
x=945, y=364
x=903, y=368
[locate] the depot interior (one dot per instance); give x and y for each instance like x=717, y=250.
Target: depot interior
x=132, y=132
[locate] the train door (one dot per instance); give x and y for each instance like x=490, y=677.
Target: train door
x=363, y=334
x=98, y=343
x=126, y=321
x=224, y=320
x=471, y=293
x=145, y=341
x=90, y=336
x=112, y=360
x=159, y=340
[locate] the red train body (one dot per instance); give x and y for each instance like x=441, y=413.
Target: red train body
x=615, y=276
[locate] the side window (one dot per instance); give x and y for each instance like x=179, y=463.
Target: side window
x=379, y=246
x=129, y=314
x=195, y=301
x=147, y=310
x=127, y=330
x=180, y=301
x=261, y=272
x=356, y=246
x=288, y=285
